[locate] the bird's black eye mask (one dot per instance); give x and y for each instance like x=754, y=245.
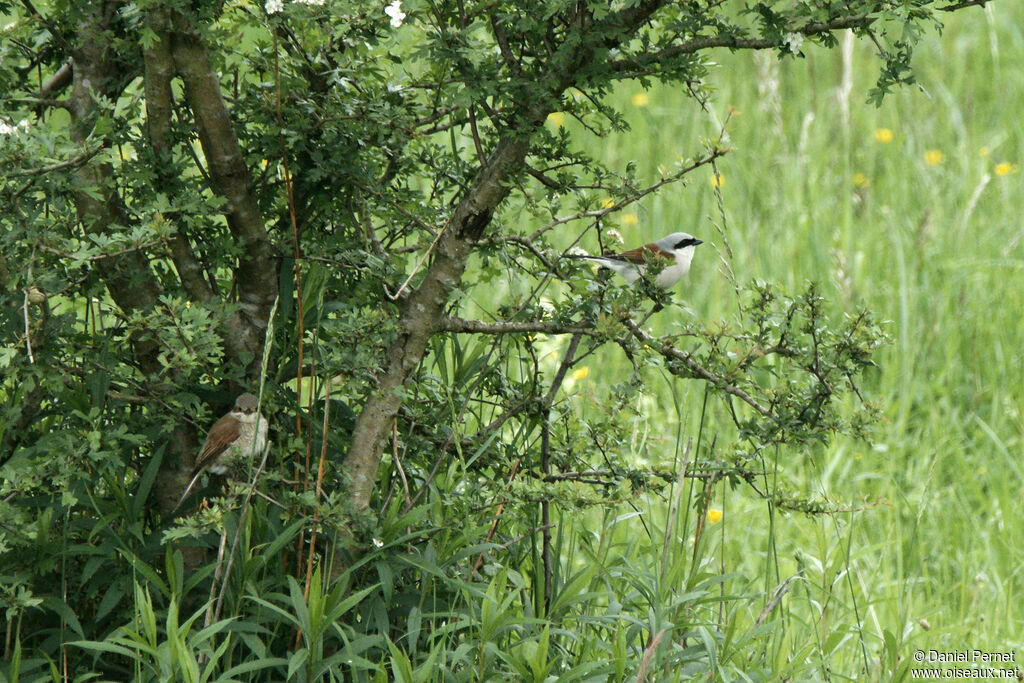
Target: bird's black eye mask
x=688, y=242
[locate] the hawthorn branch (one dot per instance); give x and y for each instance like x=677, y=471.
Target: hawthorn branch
x=129, y=279
x=705, y=43
x=127, y=276
x=39, y=102
x=640, y=194
x=697, y=370
x=423, y=310
x=527, y=244
x=60, y=79
x=60, y=165
x=452, y=324
x=961, y=5
x=256, y=274
x=159, y=70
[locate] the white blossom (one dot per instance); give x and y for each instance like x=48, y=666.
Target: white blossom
x=793, y=41
x=394, y=10
x=274, y=6
x=318, y=3
x=13, y=129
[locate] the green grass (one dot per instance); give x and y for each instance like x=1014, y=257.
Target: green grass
x=933, y=245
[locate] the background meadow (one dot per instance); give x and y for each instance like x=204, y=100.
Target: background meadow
x=912, y=210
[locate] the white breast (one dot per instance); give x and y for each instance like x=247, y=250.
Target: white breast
x=261, y=437
x=677, y=271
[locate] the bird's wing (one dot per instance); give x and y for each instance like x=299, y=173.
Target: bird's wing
x=638, y=256
x=223, y=432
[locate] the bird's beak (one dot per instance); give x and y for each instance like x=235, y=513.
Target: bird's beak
x=697, y=241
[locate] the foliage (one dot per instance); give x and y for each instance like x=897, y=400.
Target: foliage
x=182, y=167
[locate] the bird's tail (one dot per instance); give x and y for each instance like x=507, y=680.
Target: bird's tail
x=188, y=489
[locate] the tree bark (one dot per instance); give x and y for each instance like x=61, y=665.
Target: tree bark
x=128, y=278
x=423, y=311
x=243, y=335
x=256, y=276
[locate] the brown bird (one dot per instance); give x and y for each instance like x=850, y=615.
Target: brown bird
x=233, y=438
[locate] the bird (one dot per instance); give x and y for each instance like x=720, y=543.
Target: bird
x=677, y=248
x=233, y=438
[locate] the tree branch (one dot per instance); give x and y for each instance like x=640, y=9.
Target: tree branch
x=600, y=213
x=732, y=42
x=159, y=70
x=961, y=5
x=70, y=163
x=257, y=269
x=128, y=277
x=424, y=309
x=696, y=369
x=58, y=81
x=452, y=324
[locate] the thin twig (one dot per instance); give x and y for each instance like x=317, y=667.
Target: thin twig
x=70, y=163
x=28, y=330
x=319, y=487
x=672, y=353
x=645, y=663
x=497, y=517
x=601, y=213
x=419, y=265
x=500, y=327
x=398, y=460
x=24, y=308
x=776, y=598
x=101, y=257
x=960, y=5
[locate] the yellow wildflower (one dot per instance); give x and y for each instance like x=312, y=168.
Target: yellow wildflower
x=630, y=219
x=581, y=373
x=884, y=135
x=1004, y=168
x=933, y=157
x=607, y=203
x=640, y=99
x=860, y=180
x=714, y=515
x=717, y=180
